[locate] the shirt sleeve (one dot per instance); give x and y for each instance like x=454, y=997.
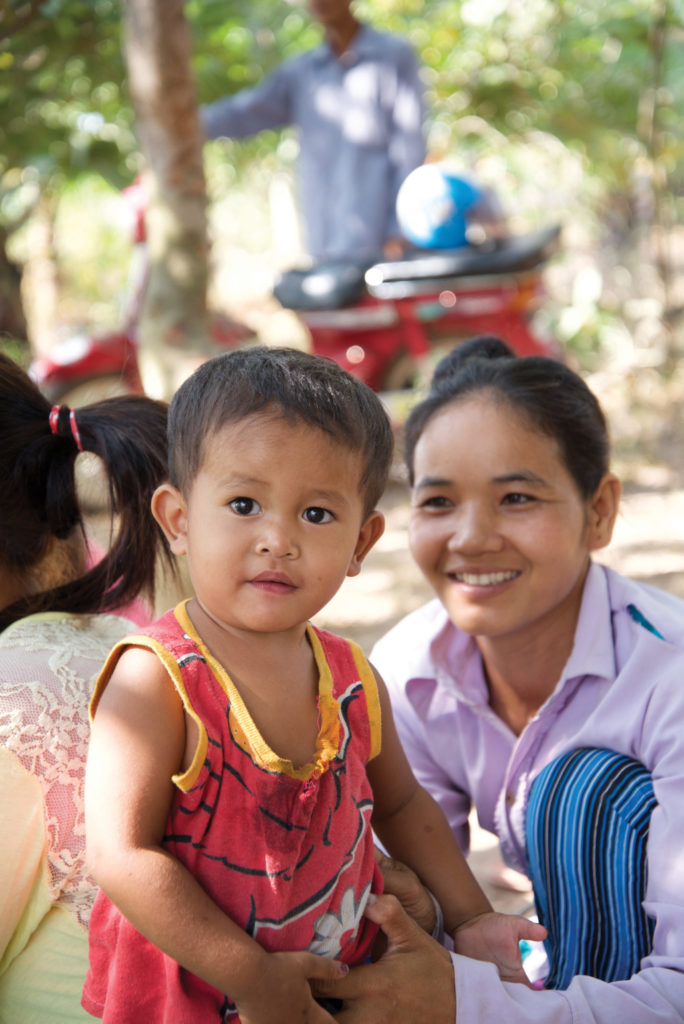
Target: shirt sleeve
x=454, y=802
x=407, y=138
x=650, y=996
x=267, y=105
x=24, y=897
x=656, y=991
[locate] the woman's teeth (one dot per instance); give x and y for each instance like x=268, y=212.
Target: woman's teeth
x=484, y=579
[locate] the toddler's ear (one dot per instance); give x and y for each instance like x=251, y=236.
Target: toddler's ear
x=603, y=510
x=370, y=532
x=170, y=511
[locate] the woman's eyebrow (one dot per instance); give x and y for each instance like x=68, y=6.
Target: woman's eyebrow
x=433, y=481
x=520, y=475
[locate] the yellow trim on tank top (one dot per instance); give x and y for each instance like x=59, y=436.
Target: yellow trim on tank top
x=184, y=780
x=370, y=688
x=243, y=727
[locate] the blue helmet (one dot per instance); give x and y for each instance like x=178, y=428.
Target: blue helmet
x=433, y=205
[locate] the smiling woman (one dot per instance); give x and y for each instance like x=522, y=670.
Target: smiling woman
x=504, y=538
x=543, y=689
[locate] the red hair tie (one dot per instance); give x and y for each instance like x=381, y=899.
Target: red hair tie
x=53, y=420
x=74, y=430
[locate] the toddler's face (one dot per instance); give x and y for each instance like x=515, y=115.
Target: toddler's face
x=274, y=523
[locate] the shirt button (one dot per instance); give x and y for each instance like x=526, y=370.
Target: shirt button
x=510, y=797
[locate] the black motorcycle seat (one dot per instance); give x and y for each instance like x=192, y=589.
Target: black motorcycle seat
x=496, y=256
x=343, y=282
x=324, y=286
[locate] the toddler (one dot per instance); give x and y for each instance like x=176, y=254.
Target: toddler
x=240, y=757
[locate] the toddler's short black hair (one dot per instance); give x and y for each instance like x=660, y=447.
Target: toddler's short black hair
x=293, y=384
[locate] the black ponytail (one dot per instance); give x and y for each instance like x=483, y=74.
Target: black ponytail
x=38, y=451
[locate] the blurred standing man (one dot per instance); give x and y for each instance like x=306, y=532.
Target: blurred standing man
x=357, y=102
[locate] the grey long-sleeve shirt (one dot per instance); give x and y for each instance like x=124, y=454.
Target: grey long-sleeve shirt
x=360, y=133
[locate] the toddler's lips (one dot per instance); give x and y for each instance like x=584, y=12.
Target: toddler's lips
x=276, y=582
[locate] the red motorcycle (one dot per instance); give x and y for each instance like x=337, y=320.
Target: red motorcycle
x=385, y=322
x=85, y=368
x=388, y=322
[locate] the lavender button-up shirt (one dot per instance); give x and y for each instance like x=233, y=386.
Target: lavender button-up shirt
x=622, y=688
x=360, y=133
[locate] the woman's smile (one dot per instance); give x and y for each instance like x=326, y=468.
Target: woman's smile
x=482, y=579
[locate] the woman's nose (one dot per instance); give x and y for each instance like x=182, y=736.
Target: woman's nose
x=473, y=530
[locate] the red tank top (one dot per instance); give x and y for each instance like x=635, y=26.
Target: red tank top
x=285, y=851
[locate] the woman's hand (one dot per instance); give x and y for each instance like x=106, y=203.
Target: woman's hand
x=285, y=984
x=402, y=882
x=412, y=982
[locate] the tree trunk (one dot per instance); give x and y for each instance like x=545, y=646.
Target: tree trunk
x=173, y=323
x=12, y=319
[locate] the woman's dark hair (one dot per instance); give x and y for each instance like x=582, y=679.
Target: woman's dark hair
x=293, y=384
x=38, y=450
x=554, y=399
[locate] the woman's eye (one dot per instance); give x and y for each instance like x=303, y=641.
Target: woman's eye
x=434, y=501
x=515, y=498
x=245, y=506
x=317, y=515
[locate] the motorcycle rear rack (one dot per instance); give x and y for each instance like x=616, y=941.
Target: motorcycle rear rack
x=510, y=254
x=413, y=287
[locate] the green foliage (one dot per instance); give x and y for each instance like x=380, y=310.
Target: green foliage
x=571, y=107
x=583, y=72
x=63, y=111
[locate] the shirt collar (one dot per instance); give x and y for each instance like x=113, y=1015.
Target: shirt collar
x=361, y=45
x=452, y=670
x=593, y=652
x=456, y=671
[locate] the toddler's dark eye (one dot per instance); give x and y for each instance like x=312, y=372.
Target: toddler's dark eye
x=245, y=506
x=317, y=515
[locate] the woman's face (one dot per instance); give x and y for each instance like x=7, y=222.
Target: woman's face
x=498, y=525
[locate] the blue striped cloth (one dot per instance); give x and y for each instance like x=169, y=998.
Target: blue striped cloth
x=586, y=831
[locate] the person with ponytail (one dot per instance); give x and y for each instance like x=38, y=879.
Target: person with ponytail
x=59, y=616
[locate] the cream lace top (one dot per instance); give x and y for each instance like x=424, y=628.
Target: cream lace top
x=48, y=667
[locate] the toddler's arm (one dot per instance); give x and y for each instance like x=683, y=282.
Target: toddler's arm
x=137, y=744
x=413, y=829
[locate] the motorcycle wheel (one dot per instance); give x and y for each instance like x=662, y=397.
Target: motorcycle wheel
x=407, y=372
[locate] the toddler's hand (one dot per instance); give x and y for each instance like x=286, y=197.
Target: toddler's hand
x=496, y=937
x=284, y=992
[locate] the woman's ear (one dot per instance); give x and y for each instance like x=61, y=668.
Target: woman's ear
x=603, y=510
x=170, y=511
x=370, y=532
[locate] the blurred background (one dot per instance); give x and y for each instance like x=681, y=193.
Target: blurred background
x=571, y=110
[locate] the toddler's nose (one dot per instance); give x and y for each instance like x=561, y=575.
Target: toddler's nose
x=276, y=540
